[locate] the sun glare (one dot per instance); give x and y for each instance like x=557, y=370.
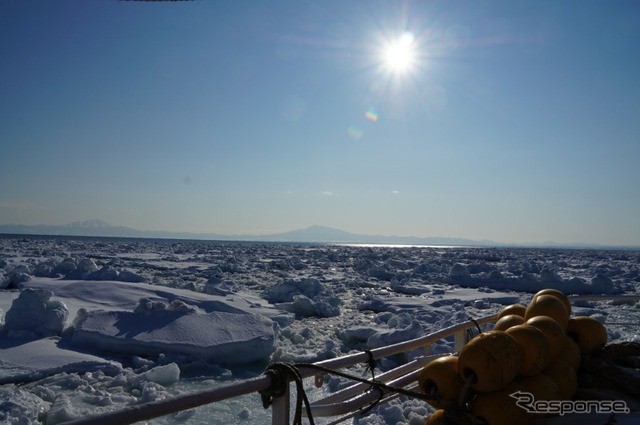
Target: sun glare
x=399, y=55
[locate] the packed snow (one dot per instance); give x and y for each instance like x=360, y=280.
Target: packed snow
x=91, y=325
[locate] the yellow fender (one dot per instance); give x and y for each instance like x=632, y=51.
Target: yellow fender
x=565, y=376
x=505, y=322
x=492, y=359
x=552, y=330
x=556, y=293
x=440, y=376
x=588, y=333
x=517, y=309
x=548, y=305
x=536, y=351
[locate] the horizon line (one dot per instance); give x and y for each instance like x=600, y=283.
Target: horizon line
x=360, y=239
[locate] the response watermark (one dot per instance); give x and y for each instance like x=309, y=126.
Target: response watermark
x=528, y=402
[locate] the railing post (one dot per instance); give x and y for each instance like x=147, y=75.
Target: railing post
x=459, y=340
x=280, y=408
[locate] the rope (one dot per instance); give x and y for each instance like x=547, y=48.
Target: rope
x=475, y=322
x=470, y=335
x=371, y=364
x=371, y=367
x=280, y=375
x=469, y=331
x=603, y=369
x=279, y=382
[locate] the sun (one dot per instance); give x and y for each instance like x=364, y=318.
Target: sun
x=399, y=56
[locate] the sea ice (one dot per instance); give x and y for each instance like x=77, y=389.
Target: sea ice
x=304, y=298
x=19, y=407
x=204, y=302
x=35, y=312
x=154, y=329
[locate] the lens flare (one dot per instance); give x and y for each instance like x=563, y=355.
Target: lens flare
x=371, y=115
x=355, y=132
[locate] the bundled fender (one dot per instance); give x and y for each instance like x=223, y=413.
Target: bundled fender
x=536, y=351
x=588, y=333
x=541, y=386
x=564, y=376
x=491, y=359
x=548, y=305
x=571, y=353
x=558, y=294
x=499, y=408
x=508, y=321
x=517, y=309
x=441, y=379
x=517, y=368
x=552, y=330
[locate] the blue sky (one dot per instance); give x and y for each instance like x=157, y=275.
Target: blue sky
x=517, y=121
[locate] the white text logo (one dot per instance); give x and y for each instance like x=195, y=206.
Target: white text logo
x=527, y=402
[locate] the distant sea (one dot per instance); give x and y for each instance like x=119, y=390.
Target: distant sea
x=29, y=237
x=121, y=239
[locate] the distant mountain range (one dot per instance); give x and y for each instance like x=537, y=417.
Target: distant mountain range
x=312, y=234
x=317, y=234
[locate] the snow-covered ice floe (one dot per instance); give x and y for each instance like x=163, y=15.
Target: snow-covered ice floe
x=212, y=329
x=218, y=337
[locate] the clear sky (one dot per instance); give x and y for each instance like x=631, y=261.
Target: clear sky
x=515, y=121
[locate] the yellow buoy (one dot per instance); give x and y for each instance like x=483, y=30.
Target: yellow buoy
x=539, y=387
x=491, y=360
x=505, y=322
x=588, y=333
x=571, y=353
x=565, y=376
x=441, y=379
x=499, y=408
x=517, y=309
x=548, y=305
x=536, y=351
x=556, y=293
x=552, y=330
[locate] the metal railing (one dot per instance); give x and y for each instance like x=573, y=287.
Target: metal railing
x=343, y=404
